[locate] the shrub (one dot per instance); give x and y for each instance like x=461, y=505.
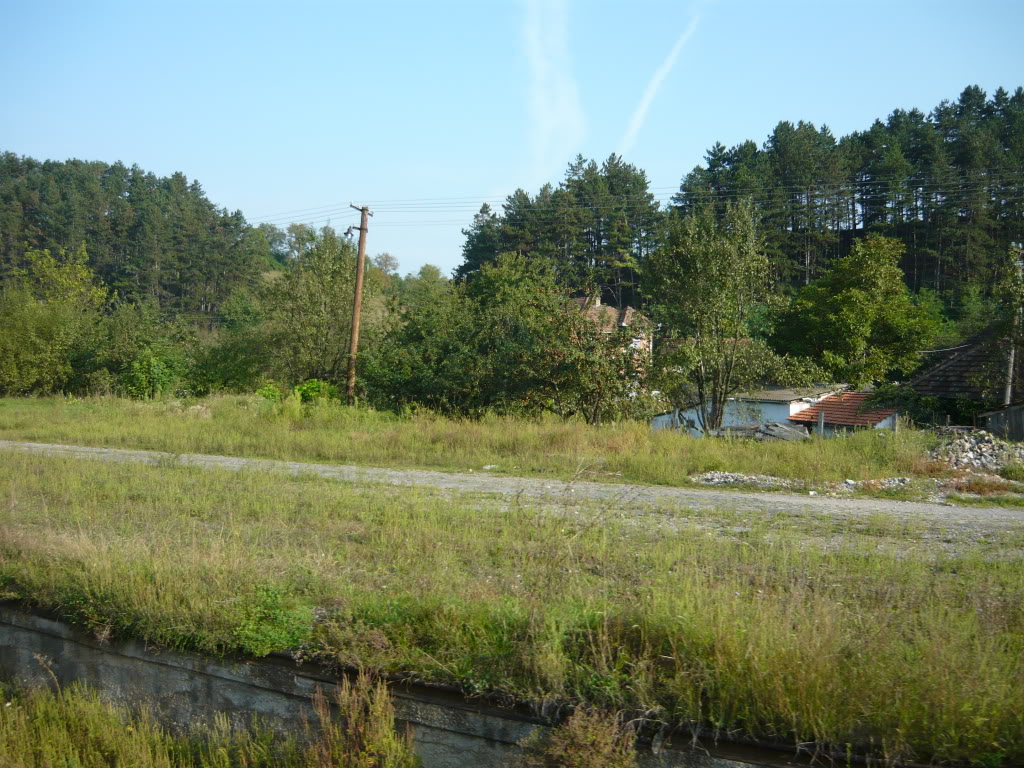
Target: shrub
x=148, y=376
x=363, y=735
x=312, y=390
x=271, y=392
x=590, y=738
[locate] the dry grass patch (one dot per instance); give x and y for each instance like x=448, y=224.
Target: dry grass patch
x=780, y=630
x=328, y=432
x=40, y=728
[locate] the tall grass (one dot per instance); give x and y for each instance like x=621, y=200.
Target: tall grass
x=901, y=642
x=40, y=728
x=328, y=432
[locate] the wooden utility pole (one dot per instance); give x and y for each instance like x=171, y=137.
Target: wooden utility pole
x=357, y=303
x=1018, y=252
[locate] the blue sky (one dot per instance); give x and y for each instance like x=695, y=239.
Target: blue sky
x=425, y=110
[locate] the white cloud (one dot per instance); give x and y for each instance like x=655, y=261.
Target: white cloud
x=557, y=119
x=636, y=122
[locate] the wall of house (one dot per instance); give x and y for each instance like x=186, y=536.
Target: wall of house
x=889, y=422
x=737, y=413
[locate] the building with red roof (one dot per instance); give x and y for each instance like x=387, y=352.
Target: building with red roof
x=844, y=411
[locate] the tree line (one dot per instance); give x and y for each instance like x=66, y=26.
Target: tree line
x=807, y=258
x=948, y=184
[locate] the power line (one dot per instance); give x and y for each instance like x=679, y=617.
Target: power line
x=979, y=176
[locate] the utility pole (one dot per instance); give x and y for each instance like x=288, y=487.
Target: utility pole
x=357, y=302
x=1018, y=251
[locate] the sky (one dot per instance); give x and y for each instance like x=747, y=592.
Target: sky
x=423, y=111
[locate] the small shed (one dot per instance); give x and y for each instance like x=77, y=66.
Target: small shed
x=843, y=412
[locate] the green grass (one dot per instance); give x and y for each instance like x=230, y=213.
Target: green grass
x=75, y=727
x=789, y=628
x=628, y=452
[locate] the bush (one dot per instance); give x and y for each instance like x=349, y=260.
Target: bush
x=590, y=738
x=148, y=376
x=271, y=392
x=312, y=390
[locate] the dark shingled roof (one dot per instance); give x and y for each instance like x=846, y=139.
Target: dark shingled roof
x=973, y=370
x=843, y=410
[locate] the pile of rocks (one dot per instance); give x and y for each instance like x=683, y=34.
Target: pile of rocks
x=885, y=484
x=767, y=482
x=979, y=450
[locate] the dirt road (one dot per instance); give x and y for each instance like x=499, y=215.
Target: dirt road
x=623, y=496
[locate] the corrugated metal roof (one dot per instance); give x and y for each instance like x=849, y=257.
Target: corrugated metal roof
x=843, y=410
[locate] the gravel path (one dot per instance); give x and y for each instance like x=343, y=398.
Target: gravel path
x=621, y=495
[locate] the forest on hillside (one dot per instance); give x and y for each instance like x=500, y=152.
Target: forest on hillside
x=115, y=279
x=948, y=184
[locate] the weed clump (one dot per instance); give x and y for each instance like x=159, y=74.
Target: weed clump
x=74, y=726
x=363, y=733
x=589, y=738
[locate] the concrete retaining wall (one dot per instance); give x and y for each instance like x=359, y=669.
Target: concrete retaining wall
x=449, y=730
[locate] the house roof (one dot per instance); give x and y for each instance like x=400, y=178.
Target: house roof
x=782, y=395
x=972, y=369
x=843, y=410
x=607, y=317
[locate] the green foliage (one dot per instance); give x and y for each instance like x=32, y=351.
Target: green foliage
x=709, y=284
x=269, y=621
x=270, y=392
x=1013, y=472
x=597, y=227
x=509, y=339
x=149, y=238
x=308, y=311
x=236, y=357
x=919, y=409
x=312, y=390
x=859, y=318
x=148, y=376
x=47, y=311
x=945, y=183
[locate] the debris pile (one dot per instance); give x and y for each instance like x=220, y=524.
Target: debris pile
x=885, y=484
x=979, y=450
x=767, y=482
x=770, y=430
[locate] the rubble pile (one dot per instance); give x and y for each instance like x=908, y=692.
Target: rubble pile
x=767, y=482
x=979, y=450
x=885, y=484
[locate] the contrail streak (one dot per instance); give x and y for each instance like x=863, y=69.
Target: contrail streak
x=636, y=122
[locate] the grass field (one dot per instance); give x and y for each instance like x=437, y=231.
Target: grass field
x=328, y=432
x=904, y=641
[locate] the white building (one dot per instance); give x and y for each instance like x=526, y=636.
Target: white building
x=749, y=408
